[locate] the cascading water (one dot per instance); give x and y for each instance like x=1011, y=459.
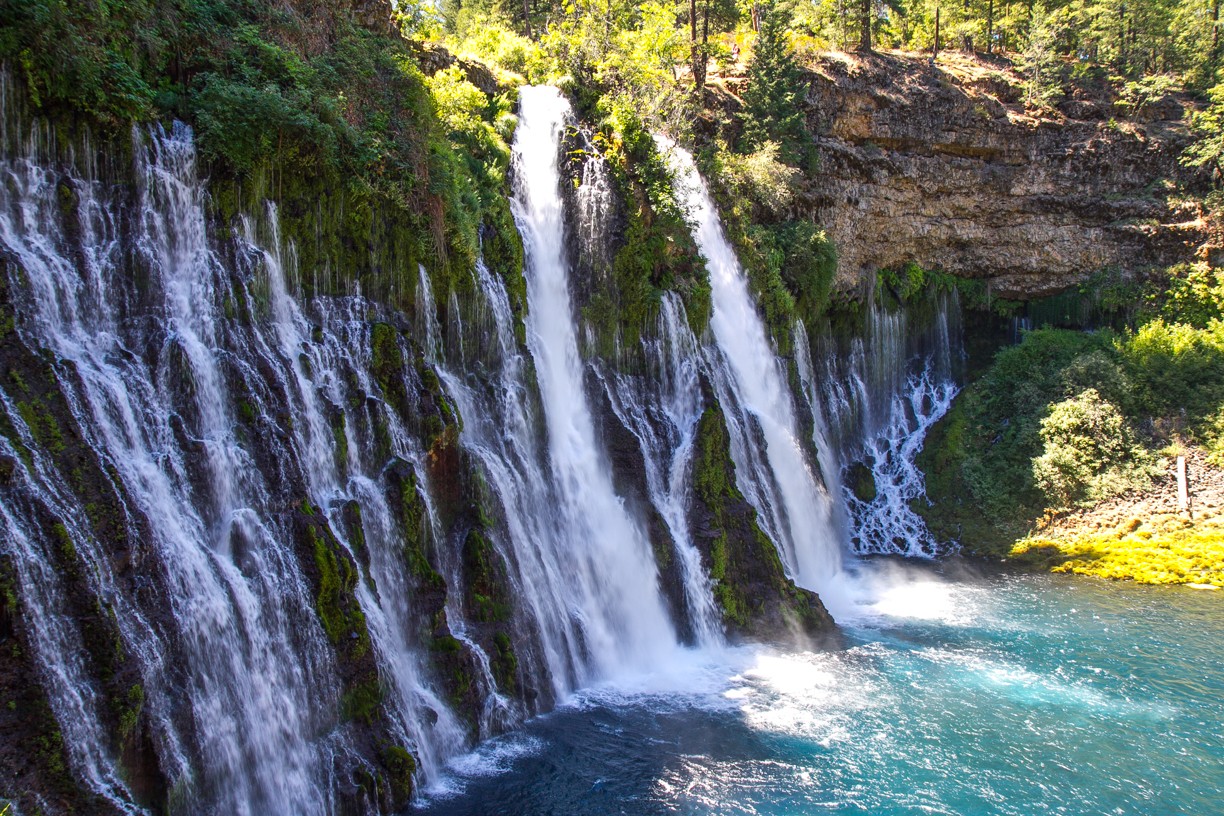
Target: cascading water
x=213, y=403
x=772, y=468
x=662, y=409
x=582, y=563
x=611, y=576
x=881, y=398
x=314, y=375
x=223, y=412
x=254, y=664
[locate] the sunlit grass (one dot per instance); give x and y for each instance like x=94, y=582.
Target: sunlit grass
x=1164, y=549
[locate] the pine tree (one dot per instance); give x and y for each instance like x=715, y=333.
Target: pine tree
x=771, y=100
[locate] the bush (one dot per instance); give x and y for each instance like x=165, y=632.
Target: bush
x=760, y=177
x=1194, y=295
x=1090, y=452
x=1178, y=370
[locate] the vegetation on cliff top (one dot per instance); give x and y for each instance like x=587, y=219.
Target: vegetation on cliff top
x=305, y=102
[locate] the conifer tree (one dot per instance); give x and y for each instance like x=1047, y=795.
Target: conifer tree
x=771, y=99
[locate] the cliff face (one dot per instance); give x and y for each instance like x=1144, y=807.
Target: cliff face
x=941, y=166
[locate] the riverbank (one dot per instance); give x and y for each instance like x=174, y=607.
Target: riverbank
x=1140, y=536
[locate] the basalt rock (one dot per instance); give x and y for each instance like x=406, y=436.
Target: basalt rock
x=942, y=166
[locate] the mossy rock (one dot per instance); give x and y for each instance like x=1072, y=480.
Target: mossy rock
x=861, y=481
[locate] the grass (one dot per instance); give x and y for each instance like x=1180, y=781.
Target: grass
x=1164, y=549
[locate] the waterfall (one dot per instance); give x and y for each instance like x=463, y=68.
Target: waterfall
x=613, y=584
x=212, y=403
x=662, y=408
x=199, y=439
x=581, y=562
x=239, y=627
x=881, y=396
x=313, y=377
x=772, y=468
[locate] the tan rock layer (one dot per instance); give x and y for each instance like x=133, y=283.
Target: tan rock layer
x=918, y=164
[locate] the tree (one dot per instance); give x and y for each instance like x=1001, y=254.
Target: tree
x=724, y=14
x=771, y=99
x=1089, y=452
x=1039, y=60
x=865, y=25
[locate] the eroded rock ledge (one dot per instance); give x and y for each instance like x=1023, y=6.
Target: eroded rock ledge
x=941, y=165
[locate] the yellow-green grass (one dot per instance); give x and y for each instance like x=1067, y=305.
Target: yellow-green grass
x=1160, y=550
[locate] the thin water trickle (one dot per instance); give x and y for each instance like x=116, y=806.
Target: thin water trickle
x=881, y=399
x=662, y=408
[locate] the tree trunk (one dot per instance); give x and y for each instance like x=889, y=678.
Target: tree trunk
x=694, y=57
x=527, y=19
x=990, y=27
x=865, y=25
x=935, y=49
x=1215, y=33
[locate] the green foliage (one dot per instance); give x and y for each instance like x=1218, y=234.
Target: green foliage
x=362, y=700
x=1039, y=60
x=771, y=110
x=1178, y=370
x=504, y=663
x=759, y=177
x=338, y=609
x=401, y=765
x=412, y=515
x=1208, y=126
x=1162, y=549
x=1194, y=295
x=1139, y=96
x=624, y=52
x=902, y=283
x=488, y=37
x=657, y=253
x=338, y=118
x=713, y=481
x=1068, y=418
x=1090, y=452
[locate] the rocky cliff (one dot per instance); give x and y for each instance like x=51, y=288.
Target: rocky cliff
x=942, y=165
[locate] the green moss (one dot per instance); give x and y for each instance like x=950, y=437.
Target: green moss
x=64, y=541
x=335, y=602
x=18, y=380
x=412, y=514
x=401, y=766
x=861, y=482
x=505, y=663
x=485, y=581
x=725, y=593
x=362, y=700
x=1163, y=549
x=340, y=442
x=656, y=252
x=387, y=361
x=129, y=713
x=246, y=412
x=713, y=480
x=43, y=425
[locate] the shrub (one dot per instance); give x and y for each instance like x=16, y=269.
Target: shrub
x=760, y=177
x=1090, y=452
x=1178, y=370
